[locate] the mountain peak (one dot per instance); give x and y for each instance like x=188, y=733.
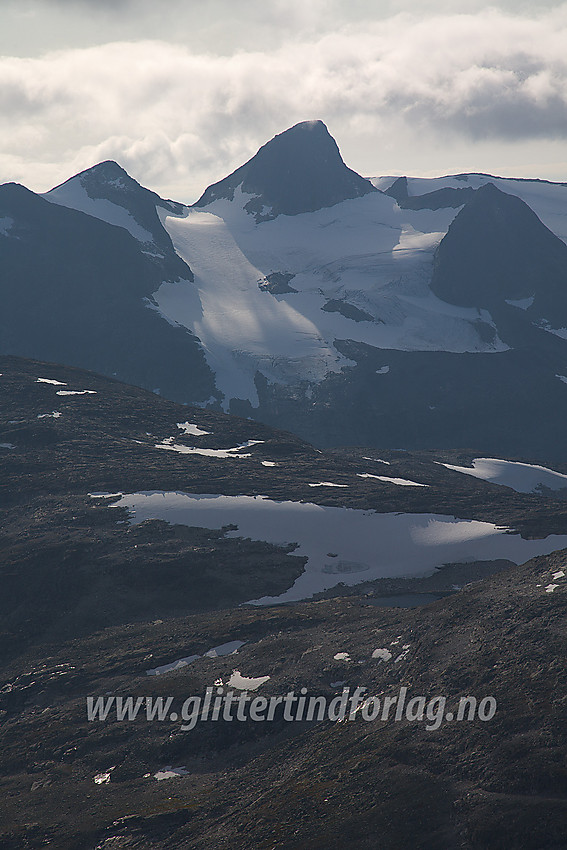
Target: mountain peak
x=300, y=170
x=107, y=191
x=102, y=178
x=496, y=249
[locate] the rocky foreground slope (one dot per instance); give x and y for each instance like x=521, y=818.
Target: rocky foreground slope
x=95, y=605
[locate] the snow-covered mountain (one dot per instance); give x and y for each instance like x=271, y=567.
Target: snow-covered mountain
x=396, y=311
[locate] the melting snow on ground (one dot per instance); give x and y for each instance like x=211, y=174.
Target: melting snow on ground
x=382, y=654
x=522, y=477
x=557, y=576
x=50, y=381
x=76, y=392
x=54, y=415
x=401, y=482
x=195, y=450
x=245, y=683
x=170, y=773
x=191, y=430
x=383, y=545
x=103, y=778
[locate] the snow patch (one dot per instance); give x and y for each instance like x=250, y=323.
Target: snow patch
x=246, y=683
x=382, y=654
x=220, y=453
x=73, y=195
x=191, y=430
x=341, y=656
x=76, y=392
x=170, y=773
x=103, y=778
x=523, y=303
x=522, y=477
x=401, y=482
x=54, y=415
x=545, y=325
x=50, y=381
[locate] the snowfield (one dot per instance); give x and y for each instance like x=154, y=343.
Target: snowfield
x=359, y=271
x=370, y=545
x=547, y=200
x=522, y=477
x=73, y=194
x=363, y=255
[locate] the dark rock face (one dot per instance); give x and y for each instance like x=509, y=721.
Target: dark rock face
x=76, y=290
x=298, y=171
x=349, y=311
x=498, y=249
x=277, y=283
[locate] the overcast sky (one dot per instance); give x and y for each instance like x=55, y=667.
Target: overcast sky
x=181, y=92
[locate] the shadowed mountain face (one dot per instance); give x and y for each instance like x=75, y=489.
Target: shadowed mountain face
x=497, y=249
x=298, y=171
x=76, y=290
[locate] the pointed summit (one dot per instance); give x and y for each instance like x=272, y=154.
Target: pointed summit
x=298, y=171
x=497, y=249
x=107, y=191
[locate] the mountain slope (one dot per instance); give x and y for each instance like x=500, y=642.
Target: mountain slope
x=107, y=191
x=101, y=598
x=295, y=294
x=77, y=290
x=498, y=250
x=72, y=562
x=298, y=171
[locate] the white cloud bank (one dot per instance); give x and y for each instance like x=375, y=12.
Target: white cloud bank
x=178, y=120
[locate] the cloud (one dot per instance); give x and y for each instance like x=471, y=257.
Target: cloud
x=180, y=119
